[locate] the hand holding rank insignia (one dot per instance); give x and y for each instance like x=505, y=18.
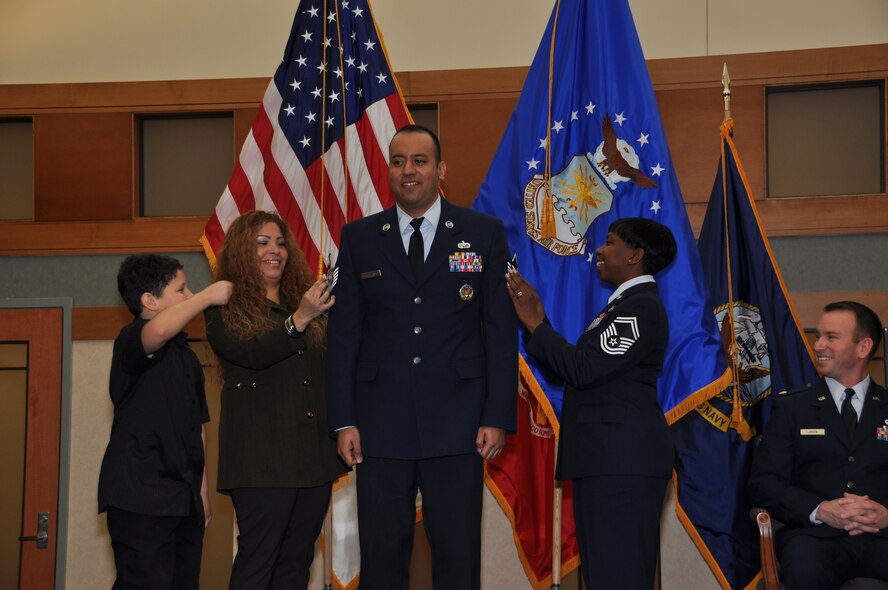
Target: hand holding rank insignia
x=332, y=274
x=513, y=263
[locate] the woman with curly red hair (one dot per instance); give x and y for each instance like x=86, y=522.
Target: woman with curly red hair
x=276, y=458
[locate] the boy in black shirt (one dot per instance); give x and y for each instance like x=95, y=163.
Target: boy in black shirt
x=153, y=481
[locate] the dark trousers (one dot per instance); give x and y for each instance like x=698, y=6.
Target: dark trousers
x=277, y=529
x=618, y=528
x=155, y=552
x=812, y=563
x=451, y=490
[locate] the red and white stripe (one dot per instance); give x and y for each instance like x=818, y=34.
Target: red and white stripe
x=315, y=201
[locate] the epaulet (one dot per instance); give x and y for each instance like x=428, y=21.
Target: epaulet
x=790, y=392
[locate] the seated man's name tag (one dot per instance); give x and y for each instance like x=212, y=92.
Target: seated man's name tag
x=812, y=432
x=371, y=274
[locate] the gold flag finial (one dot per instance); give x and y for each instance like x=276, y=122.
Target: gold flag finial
x=726, y=91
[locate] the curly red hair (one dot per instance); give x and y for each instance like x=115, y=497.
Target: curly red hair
x=246, y=314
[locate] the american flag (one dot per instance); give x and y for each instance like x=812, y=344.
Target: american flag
x=317, y=152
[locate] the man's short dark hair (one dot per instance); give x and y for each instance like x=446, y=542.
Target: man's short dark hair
x=145, y=273
x=655, y=239
x=412, y=128
x=867, y=322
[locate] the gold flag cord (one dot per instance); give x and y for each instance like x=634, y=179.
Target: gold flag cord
x=738, y=422
x=321, y=265
x=323, y=170
x=547, y=226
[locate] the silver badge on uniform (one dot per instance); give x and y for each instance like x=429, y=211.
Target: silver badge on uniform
x=596, y=321
x=620, y=335
x=466, y=292
x=464, y=245
x=448, y=224
x=387, y=227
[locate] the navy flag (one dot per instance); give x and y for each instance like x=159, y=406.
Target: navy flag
x=767, y=353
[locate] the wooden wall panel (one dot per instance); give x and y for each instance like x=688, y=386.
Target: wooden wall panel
x=83, y=166
x=470, y=131
x=243, y=122
x=148, y=234
x=475, y=105
x=104, y=323
x=691, y=118
x=161, y=95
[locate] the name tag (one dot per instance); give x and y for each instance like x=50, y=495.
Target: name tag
x=812, y=432
x=371, y=274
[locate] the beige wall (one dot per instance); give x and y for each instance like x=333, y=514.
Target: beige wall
x=90, y=563
x=109, y=40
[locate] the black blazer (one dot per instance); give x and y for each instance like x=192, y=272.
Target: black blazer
x=273, y=425
x=611, y=422
x=419, y=365
x=805, y=457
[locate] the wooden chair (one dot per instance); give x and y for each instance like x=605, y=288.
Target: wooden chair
x=770, y=575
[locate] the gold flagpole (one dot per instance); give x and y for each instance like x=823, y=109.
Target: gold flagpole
x=726, y=91
x=556, y=537
x=547, y=227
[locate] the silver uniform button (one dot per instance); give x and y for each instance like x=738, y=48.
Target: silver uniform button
x=417, y=360
x=417, y=330
x=417, y=300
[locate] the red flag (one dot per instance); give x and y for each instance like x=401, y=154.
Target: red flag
x=517, y=479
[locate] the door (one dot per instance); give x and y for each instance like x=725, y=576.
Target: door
x=31, y=390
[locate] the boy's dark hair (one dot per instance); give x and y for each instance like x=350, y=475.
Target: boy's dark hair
x=653, y=238
x=420, y=129
x=145, y=273
x=867, y=322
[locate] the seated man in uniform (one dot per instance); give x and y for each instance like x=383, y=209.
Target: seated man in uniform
x=822, y=465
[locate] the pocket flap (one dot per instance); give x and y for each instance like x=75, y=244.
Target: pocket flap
x=366, y=371
x=471, y=368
